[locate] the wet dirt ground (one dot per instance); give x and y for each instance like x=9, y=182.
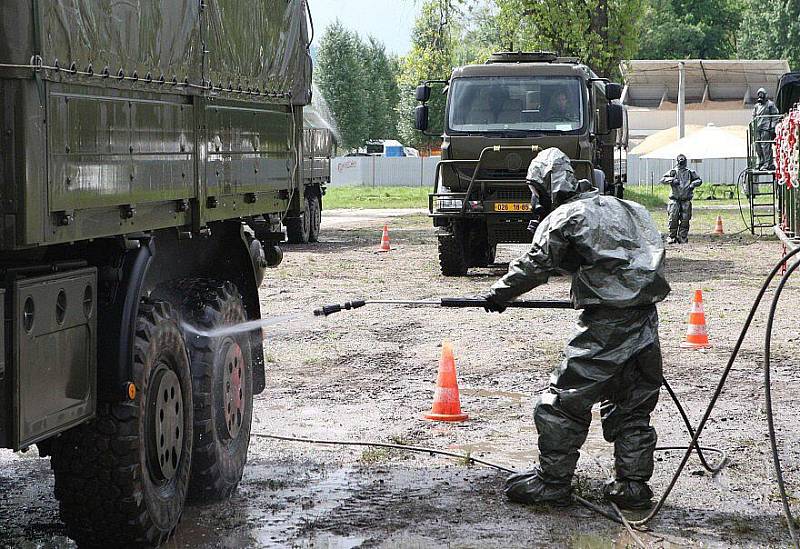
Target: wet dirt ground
x=369, y=375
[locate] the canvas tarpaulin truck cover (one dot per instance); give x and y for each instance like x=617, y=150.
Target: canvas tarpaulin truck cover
x=239, y=47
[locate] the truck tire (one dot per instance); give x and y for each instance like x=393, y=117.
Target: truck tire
x=122, y=479
x=315, y=209
x=452, y=255
x=222, y=386
x=298, y=229
x=481, y=252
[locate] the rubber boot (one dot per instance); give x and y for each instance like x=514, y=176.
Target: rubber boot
x=629, y=494
x=530, y=488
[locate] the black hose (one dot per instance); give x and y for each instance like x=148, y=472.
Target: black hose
x=408, y=448
x=688, y=424
x=739, y=200
x=768, y=400
x=718, y=390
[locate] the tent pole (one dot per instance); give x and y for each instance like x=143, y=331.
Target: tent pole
x=681, y=98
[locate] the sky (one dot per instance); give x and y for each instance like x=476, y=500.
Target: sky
x=388, y=21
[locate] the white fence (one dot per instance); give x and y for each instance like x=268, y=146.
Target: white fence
x=378, y=171
x=647, y=171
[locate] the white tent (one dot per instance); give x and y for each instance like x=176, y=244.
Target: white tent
x=707, y=143
x=717, y=154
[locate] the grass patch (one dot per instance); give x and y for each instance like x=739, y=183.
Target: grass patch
x=417, y=197
x=376, y=197
x=643, y=196
x=659, y=195
x=372, y=456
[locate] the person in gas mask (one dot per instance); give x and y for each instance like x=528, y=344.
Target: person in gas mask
x=614, y=253
x=683, y=182
x=764, y=113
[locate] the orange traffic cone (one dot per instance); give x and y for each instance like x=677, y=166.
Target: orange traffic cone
x=385, y=247
x=696, y=334
x=446, y=403
x=718, y=229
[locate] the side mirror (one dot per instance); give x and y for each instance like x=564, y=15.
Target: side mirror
x=423, y=93
x=421, y=117
x=613, y=91
x=615, y=116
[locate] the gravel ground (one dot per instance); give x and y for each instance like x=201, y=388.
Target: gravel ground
x=369, y=375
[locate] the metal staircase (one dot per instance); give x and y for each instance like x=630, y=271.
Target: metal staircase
x=761, y=195
x=760, y=185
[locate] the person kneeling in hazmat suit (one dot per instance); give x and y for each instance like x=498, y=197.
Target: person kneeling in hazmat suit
x=615, y=255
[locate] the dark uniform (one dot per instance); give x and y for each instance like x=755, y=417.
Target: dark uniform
x=615, y=255
x=764, y=113
x=683, y=182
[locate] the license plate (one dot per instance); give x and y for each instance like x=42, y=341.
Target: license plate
x=512, y=207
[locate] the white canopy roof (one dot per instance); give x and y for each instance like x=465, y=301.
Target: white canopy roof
x=650, y=83
x=709, y=142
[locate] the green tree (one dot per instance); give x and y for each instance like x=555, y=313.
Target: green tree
x=382, y=91
x=770, y=30
x=340, y=76
x=430, y=58
x=600, y=32
x=690, y=29
x=479, y=33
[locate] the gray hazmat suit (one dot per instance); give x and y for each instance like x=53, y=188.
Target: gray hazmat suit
x=765, y=121
x=615, y=255
x=683, y=182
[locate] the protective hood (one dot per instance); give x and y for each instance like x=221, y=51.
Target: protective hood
x=551, y=173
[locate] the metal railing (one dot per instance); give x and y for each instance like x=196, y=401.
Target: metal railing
x=752, y=137
x=464, y=197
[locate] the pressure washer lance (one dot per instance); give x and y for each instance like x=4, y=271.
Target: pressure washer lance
x=457, y=302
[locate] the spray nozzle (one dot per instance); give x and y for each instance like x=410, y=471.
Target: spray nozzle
x=326, y=310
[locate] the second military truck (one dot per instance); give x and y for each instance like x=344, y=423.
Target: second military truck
x=497, y=117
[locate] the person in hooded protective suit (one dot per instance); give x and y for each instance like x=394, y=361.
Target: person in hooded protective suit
x=764, y=115
x=683, y=182
x=615, y=255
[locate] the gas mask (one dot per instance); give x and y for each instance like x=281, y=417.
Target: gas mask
x=762, y=95
x=541, y=205
x=681, y=161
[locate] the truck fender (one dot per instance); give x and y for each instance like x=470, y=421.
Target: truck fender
x=117, y=319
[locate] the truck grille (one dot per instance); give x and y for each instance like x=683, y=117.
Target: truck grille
x=492, y=173
x=514, y=194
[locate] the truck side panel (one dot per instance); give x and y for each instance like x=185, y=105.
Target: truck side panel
x=111, y=151
x=249, y=159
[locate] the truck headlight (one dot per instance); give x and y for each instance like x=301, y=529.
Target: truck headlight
x=449, y=204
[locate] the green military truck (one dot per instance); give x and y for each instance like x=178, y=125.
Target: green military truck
x=497, y=117
x=319, y=143
x=149, y=153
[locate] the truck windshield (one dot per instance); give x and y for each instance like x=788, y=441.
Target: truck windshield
x=516, y=103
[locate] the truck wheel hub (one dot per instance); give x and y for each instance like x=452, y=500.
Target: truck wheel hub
x=166, y=424
x=233, y=400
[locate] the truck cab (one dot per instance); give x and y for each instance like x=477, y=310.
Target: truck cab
x=497, y=117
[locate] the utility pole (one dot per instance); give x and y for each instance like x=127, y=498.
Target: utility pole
x=681, y=99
